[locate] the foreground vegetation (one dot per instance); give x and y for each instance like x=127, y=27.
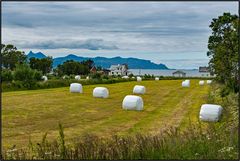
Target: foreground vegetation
x=199, y=141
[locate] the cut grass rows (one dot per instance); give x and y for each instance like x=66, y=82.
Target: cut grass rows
x=32, y=113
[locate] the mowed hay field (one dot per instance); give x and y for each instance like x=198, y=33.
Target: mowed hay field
x=33, y=113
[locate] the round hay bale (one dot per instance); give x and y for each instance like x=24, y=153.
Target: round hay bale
x=131, y=102
x=209, y=81
x=139, y=89
x=210, y=112
x=44, y=78
x=139, y=79
x=187, y=80
x=77, y=77
x=100, y=92
x=76, y=88
x=201, y=82
x=125, y=77
x=157, y=79
x=186, y=84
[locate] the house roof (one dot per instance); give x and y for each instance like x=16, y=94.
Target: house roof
x=178, y=71
x=203, y=69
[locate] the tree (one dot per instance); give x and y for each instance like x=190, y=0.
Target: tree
x=11, y=56
x=223, y=49
x=26, y=75
x=44, y=64
x=72, y=67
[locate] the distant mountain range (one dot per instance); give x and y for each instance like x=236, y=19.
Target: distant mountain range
x=133, y=63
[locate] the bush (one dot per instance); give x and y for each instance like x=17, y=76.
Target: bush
x=38, y=75
x=6, y=75
x=26, y=76
x=96, y=76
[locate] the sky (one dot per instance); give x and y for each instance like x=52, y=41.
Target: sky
x=173, y=33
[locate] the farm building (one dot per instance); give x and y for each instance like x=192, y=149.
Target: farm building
x=179, y=73
x=119, y=70
x=205, y=71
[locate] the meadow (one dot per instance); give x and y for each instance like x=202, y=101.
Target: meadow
x=30, y=114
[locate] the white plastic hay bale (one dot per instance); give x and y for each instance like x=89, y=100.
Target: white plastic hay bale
x=76, y=88
x=139, y=79
x=209, y=81
x=44, y=78
x=187, y=80
x=100, y=92
x=131, y=102
x=139, y=89
x=125, y=77
x=156, y=78
x=201, y=82
x=186, y=84
x=77, y=77
x=210, y=112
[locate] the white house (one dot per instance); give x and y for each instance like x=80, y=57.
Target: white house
x=204, y=71
x=120, y=69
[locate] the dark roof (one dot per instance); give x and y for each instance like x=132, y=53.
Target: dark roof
x=204, y=69
x=179, y=71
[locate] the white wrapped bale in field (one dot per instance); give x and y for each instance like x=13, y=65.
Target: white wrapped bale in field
x=139, y=89
x=131, y=102
x=44, y=78
x=76, y=88
x=209, y=81
x=187, y=80
x=77, y=77
x=125, y=77
x=210, y=112
x=139, y=79
x=156, y=78
x=201, y=82
x=186, y=84
x=100, y=92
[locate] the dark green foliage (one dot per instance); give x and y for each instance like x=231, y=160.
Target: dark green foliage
x=96, y=76
x=44, y=64
x=72, y=67
x=6, y=75
x=223, y=50
x=11, y=56
x=27, y=76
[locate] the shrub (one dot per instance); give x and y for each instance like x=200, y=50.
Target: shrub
x=27, y=76
x=6, y=75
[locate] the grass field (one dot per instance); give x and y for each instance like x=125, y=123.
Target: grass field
x=32, y=113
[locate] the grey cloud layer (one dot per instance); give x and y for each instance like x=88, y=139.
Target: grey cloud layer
x=136, y=26
x=90, y=44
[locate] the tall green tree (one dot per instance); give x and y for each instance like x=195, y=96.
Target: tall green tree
x=10, y=56
x=44, y=64
x=223, y=49
x=72, y=67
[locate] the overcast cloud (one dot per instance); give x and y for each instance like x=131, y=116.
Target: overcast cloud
x=173, y=33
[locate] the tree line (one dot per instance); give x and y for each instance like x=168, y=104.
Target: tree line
x=17, y=67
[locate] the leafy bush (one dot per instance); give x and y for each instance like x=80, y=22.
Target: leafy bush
x=27, y=76
x=6, y=75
